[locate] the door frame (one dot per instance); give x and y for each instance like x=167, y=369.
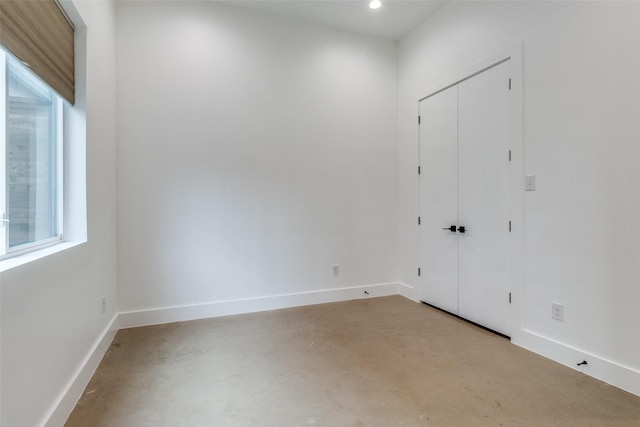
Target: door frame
x=515, y=54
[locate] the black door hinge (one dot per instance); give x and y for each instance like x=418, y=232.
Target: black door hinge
x=509, y=226
x=418, y=271
x=509, y=297
x=418, y=170
x=418, y=119
x=509, y=84
x=509, y=155
x=418, y=220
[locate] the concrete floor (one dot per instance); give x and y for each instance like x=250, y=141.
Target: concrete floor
x=376, y=362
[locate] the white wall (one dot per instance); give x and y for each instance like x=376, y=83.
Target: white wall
x=581, y=139
x=51, y=308
x=255, y=152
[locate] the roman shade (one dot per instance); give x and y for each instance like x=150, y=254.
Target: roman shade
x=39, y=33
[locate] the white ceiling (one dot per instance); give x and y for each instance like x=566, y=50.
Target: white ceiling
x=394, y=20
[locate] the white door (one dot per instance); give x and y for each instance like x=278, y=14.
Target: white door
x=483, y=204
x=438, y=198
x=464, y=182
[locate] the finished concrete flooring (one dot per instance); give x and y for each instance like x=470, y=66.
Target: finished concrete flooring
x=376, y=362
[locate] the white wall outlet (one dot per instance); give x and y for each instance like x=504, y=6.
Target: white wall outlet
x=336, y=270
x=530, y=183
x=557, y=311
x=104, y=304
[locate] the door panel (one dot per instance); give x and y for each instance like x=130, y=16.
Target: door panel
x=483, y=205
x=438, y=199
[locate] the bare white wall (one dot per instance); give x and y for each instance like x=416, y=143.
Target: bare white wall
x=51, y=308
x=581, y=134
x=255, y=152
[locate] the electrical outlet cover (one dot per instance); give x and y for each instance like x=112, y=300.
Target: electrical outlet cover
x=557, y=311
x=336, y=270
x=530, y=183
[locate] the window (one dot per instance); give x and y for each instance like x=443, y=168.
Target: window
x=30, y=160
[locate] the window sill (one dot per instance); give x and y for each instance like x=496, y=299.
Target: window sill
x=17, y=261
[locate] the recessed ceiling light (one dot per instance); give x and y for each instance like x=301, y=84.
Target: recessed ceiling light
x=375, y=4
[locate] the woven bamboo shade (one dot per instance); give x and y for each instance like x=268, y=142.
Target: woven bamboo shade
x=39, y=34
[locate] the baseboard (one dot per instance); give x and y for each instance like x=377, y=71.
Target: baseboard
x=60, y=411
x=182, y=313
x=620, y=376
x=615, y=374
x=409, y=292
x=610, y=372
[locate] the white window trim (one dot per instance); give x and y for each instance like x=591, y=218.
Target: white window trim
x=3, y=153
x=18, y=260
x=5, y=251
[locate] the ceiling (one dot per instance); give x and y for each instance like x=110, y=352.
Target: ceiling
x=394, y=20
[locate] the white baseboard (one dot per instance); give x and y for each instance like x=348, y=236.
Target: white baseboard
x=409, y=292
x=613, y=373
x=182, y=313
x=610, y=372
x=60, y=411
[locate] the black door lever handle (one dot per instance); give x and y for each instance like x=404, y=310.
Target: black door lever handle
x=451, y=229
x=462, y=229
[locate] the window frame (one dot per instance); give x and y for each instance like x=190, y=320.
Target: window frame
x=6, y=251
